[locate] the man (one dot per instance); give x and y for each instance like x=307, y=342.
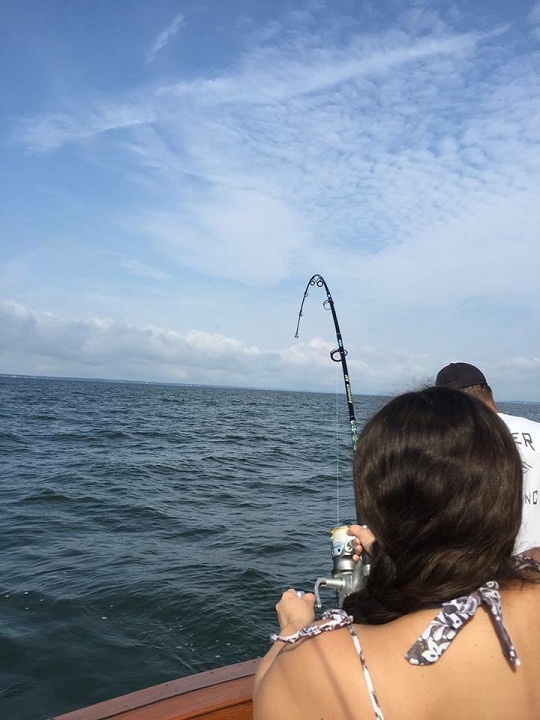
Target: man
x=526, y=434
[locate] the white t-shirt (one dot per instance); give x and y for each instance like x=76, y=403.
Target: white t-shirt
x=526, y=434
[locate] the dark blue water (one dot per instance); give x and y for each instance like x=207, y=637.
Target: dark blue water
x=146, y=531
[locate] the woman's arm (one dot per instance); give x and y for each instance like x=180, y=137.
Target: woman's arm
x=293, y=613
x=296, y=612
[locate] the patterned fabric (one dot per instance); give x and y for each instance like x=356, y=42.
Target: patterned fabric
x=438, y=635
x=367, y=677
x=440, y=632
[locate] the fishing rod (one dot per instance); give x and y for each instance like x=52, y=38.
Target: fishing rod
x=348, y=576
x=340, y=351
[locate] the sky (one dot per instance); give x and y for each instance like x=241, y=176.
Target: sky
x=173, y=173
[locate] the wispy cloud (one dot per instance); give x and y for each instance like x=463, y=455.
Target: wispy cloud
x=50, y=132
x=165, y=36
x=272, y=75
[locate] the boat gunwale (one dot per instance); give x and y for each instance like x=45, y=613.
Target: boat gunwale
x=198, y=686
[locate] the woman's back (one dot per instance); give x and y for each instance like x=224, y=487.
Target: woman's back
x=439, y=483
x=321, y=678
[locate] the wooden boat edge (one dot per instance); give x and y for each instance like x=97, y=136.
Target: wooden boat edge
x=202, y=695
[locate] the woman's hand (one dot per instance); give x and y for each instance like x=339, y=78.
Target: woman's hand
x=295, y=612
x=364, y=539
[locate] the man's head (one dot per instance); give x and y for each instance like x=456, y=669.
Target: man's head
x=468, y=378
x=458, y=376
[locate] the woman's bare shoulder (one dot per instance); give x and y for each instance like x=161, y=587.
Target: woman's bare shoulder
x=313, y=678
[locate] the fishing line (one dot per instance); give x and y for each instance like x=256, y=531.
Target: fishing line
x=337, y=451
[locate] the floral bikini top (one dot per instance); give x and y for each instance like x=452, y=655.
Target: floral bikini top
x=438, y=635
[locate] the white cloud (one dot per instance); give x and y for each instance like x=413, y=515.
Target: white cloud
x=106, y=348
x=50, y=132
x=44, y=343
x=165, y=36
x=268, y=77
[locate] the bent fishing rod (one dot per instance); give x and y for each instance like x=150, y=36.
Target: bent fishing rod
x=348, y=576
x=337, y=355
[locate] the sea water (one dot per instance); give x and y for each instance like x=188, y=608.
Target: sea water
x=147, y=531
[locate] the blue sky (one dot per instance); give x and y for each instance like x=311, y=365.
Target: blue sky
x=173, y=173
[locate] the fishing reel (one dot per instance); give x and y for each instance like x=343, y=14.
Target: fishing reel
x=348, y=575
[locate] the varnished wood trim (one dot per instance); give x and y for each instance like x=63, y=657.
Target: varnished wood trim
x=211, y=695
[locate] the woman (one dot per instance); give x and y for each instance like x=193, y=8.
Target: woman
x=439, y=480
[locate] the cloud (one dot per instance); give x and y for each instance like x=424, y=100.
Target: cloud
x=378, y=165
x=316, y=71
x=47, y=133
x=47, y=344
x=101, y=346
x=44, y=343
x=263, y=76
x=165, y=36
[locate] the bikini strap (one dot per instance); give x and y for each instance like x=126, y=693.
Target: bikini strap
x=367, y=677
x=453, y=616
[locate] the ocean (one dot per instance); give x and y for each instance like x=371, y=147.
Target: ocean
x=148, y=530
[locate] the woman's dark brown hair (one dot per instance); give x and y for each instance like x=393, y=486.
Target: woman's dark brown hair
x=439, y=481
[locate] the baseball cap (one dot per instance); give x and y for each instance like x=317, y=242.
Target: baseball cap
x=460, y=375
